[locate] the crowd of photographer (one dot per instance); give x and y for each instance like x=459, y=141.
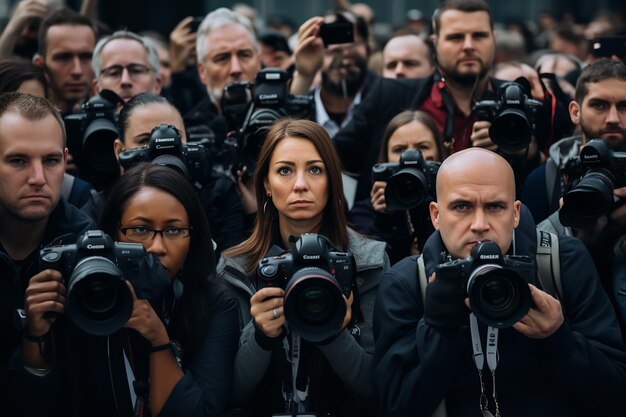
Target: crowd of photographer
x=246, y=224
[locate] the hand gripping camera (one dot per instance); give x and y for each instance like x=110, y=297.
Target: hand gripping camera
x=513, y=117
x=410, y=182
x=315, y=277
x=166, y=148
x=497, y=285
x=94, y=269
x=592, y=196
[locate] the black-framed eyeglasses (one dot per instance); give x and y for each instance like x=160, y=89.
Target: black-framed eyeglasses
x=134, y=71
x=142, y=234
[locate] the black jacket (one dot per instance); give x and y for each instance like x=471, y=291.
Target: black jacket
x=386, y=99
x=89, y=376
x=65, y=220
x=579, y=370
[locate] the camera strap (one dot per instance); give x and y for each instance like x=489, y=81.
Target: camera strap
x=294, y=400
x=492, y=363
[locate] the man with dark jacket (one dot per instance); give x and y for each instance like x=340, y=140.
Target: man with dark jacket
x=564, y=357
x=33, y=158
x=599, y=109
x=465, y=49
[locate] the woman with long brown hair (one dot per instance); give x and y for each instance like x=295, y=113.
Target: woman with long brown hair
x=299, y=192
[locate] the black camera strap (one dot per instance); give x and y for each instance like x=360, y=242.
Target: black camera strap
x=492, y=363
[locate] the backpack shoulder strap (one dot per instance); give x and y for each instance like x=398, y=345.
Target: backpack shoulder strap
x=549, y=263
x=440, y=411
x=422, y=276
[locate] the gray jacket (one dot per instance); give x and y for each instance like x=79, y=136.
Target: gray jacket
x=350, y=360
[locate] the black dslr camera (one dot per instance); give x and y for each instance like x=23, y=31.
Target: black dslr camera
x=410, y=182
x=165, y=147
x=497, y=285
x=513, y=116
x=592, y=196
x=94, y=269
x=270, y=101
x=90, y=137
x=315, y=277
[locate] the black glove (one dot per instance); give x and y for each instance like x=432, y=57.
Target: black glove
x=444, y=306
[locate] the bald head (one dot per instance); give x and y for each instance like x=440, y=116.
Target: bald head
x=475, y=201
x=475, y=163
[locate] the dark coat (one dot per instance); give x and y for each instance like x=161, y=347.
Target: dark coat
x=65, y=220
x=579, y=370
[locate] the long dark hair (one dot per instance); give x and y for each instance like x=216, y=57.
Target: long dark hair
x=15, y=71
x=198, y=272
x=334, y=224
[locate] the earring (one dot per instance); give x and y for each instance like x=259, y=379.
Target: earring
x=269, y=195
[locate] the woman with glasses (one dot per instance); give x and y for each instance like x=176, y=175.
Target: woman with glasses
x=279, y=368
x=174, y=356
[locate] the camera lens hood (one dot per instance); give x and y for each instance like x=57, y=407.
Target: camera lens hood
x=588, y=200
x=98, y=300
x=499, y=297
x=314, y=304
x=405, y=190
x=511, y=131
x=98, y=145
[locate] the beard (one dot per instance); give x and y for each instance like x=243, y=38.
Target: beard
x=617, y=141
x=465, y=78
x=353, y=79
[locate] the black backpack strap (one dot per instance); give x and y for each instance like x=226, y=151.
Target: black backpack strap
x=553, y=184
x=549, y=264
x=440, y=411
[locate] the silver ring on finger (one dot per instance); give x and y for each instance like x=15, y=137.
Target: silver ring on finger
x=276, y=313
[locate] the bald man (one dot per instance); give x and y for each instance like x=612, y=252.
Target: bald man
x=548, y=366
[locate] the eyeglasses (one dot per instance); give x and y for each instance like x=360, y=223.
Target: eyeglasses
x=143, y=234
x=134, y=71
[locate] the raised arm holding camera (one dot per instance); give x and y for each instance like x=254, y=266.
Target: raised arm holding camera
x=300, y=279
x=145, y=326
x=543, y=356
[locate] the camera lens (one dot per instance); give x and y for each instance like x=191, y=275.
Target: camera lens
x=511, y=131
x=99, y=297
x=98, y=145
x=499, y=297
x=405, y=190
x=98, y=300
x=590, y=199
x=314, y=304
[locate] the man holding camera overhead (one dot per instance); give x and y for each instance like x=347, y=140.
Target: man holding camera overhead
x=32, y=213
x=337, y=47
x=599, y=109
x=465, y=48
x=523, y=352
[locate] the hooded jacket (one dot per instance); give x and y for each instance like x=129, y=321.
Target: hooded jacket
x=340, y=377
x=541, y=195
x=579, y=370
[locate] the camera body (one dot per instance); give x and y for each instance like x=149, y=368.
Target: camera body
x=513, y=116
x=497, y=285
x=94, y=270
x=90, y=137
x=410, y=182
x=316, y=277
x=269, y=101
x=165, y=147
x=592, y=196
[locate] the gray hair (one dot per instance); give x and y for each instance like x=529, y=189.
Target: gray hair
x=215, y=20
x=148, y=45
